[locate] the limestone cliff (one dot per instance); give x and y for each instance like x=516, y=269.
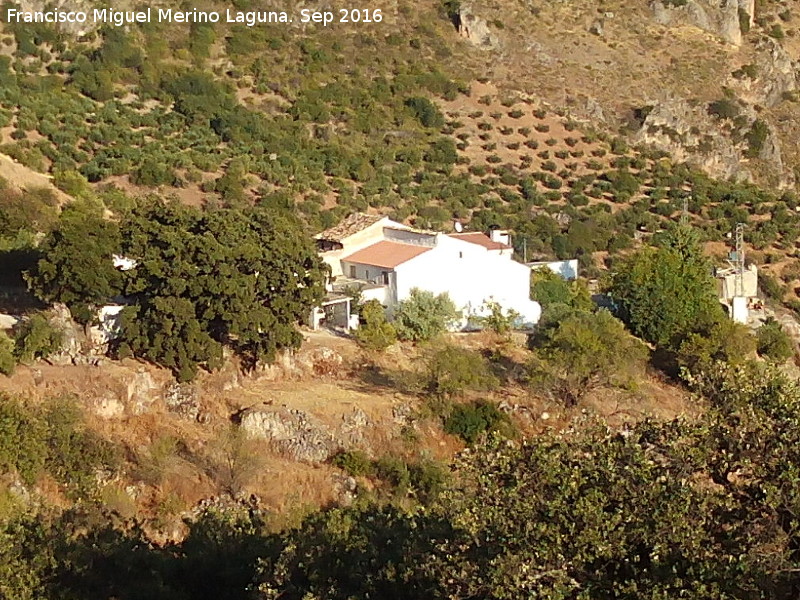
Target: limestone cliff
x=728, y=19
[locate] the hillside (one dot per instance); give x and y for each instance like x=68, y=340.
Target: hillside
x=528, y=128
x=207, y=444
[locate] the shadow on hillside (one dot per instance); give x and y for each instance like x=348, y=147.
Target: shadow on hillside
x=370, y=379
x=14, y=295
x=507, y=370
x=664, y=361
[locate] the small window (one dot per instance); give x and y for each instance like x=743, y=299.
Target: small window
x=460, y=255
x=352, y=271
x=386, y=278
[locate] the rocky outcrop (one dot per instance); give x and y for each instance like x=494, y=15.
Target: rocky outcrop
x=108, y=407
x=140, y=392
x=60, y=318
x=768, y=79
x=689, y=135
x=303, y=436
x=306, y=361
x=723, y=18
x=720, y=147
x=297, y=434
x=183, y=399
x=474, y=28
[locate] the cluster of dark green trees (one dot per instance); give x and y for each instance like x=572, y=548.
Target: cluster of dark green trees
x=667, y=295
x=203, y=280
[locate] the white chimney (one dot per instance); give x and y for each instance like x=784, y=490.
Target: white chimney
x=501, y=236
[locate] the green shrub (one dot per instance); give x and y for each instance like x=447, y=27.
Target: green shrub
x=549, y=289
x=73, y=452
x=7, y=359
x=583, y=351
x=424, y=315
x=425, y=111
x=498, y=320
x=22, y=437
x=451, y=371
x=54, y=440
x=724, y=109
x=724, y=340
x=756, y=138
x=469, y=421
x=428, y=478
x=36, y=338
x=374, y=331
x=394, y=471
x=770, y=286
x=355, y=463
x=773, y=342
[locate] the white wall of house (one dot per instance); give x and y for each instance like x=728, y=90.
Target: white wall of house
x=472, y=276
x=568, y=269
x=380, y=293
x=364, y=272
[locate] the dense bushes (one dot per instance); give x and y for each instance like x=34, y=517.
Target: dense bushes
x=582, y=351
x=7, y=358
x=202, y=280
x=451, y=371
x=374, y=331
x=422, y=478
x=51, y=439
x=666, y=293
x=424, y=110
x=470, y=421
x=33, y=211
x=424, y=315
x=77, y=267
x=554, y=292
x=35, y=338
x=773, y=342
x=724, y=340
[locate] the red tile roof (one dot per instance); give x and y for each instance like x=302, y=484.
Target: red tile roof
x=481, y=239
x=387, y=255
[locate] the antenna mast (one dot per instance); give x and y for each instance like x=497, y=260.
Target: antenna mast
x=736, y=260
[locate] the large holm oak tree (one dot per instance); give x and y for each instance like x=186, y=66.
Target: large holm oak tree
x=203, y=280
x=76, y=265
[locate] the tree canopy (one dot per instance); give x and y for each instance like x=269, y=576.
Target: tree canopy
x=203, y=280
x=242, y=278
x=667, y=292
x=76, y=265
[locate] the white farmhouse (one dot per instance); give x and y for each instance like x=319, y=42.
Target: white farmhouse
x=386, y=260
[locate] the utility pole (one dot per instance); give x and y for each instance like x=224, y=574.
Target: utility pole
x=739, y=262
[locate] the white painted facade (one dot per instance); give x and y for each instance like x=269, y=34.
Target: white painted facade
x=473, y=273
x=472, y=276
x=568, y=269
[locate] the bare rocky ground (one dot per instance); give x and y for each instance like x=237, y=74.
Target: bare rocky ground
x=267, y=436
